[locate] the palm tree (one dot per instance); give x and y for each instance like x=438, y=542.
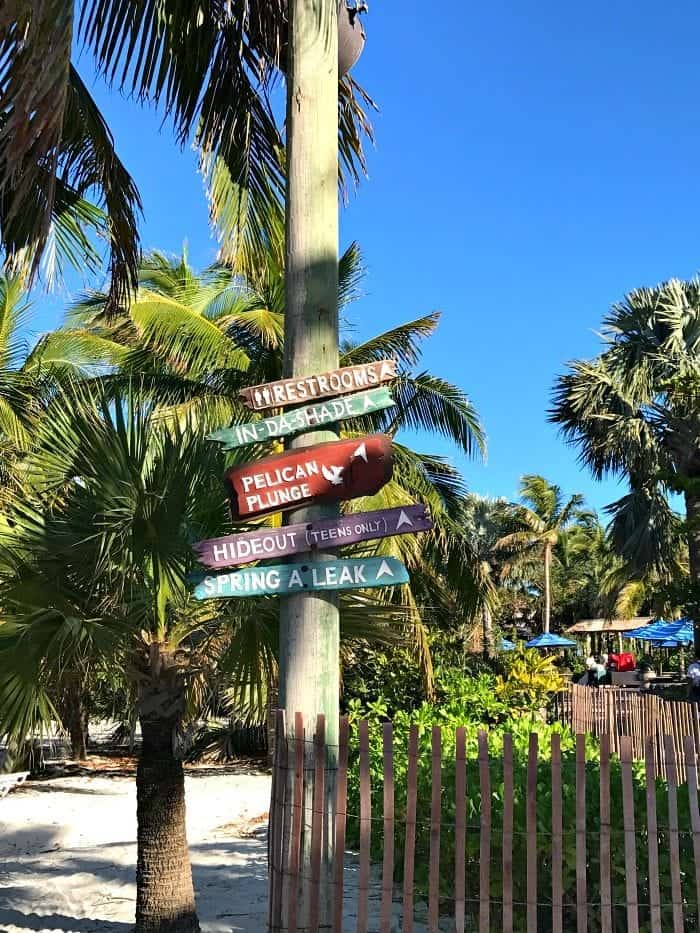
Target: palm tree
x=482, y=525
x=633, y=412
x=15, y=384
x=196, y=339
x=211, y=67
x=95, y=553
x=538, y=524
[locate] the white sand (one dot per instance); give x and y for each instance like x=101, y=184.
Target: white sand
x=68, y=853
x=68, y=856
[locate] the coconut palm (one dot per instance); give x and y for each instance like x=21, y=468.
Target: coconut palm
x=211, y=67
x=633, y=412
x=15, y=385
x=197, y=339
x=482, y=523
x=538, y=522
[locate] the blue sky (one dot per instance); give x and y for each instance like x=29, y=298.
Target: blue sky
x=533, y=163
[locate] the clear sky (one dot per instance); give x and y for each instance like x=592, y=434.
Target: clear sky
x=533, y=163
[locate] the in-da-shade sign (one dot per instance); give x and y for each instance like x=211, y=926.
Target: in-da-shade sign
x=302, y=389
x=304, y=419
x=322, y=473
x=350, y=574
x=263, y=543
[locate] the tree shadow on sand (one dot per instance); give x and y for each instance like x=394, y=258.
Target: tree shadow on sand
x=230, y=876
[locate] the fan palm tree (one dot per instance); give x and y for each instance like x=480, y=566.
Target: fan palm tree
x=197, y=339
x=538, y=524
x=96, y=553
x=633, y=412
x=211, y=66
x=482, y=523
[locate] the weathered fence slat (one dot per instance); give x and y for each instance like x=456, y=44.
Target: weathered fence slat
x=652, y=835
x=461, y=827
x=319, y=793
x=507, y=855
x=435, y=805
x=531, y=830
x=340, y=824
x=485, y=839
x=299, y=824
x=277, y=820
x=630, y=840
x=691, y=770
x=297, y=817
x=673, y=838
x=581, y=882
x=388, y=859
x=365, y=829
x=557, y=838
x=605, y=877
x=410, y=846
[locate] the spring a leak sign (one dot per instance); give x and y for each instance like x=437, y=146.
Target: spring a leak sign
x=281, y=580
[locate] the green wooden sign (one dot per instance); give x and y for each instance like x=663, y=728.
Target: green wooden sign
x=304, y=419
x=282, y=579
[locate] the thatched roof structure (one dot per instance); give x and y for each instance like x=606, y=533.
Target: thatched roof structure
x=594, y=626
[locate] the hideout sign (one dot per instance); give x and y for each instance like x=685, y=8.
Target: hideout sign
x=269, y=543
x=323, y=473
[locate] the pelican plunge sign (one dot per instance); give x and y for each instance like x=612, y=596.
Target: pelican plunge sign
x=332, y=472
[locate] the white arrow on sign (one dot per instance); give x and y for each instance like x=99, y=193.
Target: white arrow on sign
x=403, y=520
x=361, y=452
x=384, y=570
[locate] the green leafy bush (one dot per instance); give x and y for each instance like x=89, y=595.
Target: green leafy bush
x=520, y=729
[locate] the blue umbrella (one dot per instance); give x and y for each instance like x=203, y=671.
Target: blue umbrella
x=675, y=642
x=506, y=645
x=659, y=631
x=548, y=640
x=654, y=630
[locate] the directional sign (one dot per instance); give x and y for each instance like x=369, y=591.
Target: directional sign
x=307, y=388
x=296, y=578
x=304, y=419
x=296, y=539
x=322, y=473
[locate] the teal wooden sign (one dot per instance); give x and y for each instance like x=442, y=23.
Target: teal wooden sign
x=283, y=579
x=304, y=419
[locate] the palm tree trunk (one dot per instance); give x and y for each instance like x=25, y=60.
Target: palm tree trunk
x=692, y=514
x=487, y=623
x=75, y=716
x=164, y=890
x=547, y=586
x=310, y=622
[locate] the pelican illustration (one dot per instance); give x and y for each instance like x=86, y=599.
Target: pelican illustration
x=333, y=474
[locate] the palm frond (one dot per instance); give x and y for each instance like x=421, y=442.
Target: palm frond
x=402, y=342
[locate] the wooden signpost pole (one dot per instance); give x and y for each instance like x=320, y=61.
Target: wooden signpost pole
x=310, y=626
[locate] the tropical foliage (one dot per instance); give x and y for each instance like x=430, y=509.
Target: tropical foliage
x=56, y=151
x=633, y=412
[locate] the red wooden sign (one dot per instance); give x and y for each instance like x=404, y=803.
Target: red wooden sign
x=302, y=389
x=322, y=473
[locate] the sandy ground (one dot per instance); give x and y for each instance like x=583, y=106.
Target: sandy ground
x=68, y=855
x=68, y=851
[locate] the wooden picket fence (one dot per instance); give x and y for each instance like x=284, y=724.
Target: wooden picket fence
x=461, y=832
x=638, y=715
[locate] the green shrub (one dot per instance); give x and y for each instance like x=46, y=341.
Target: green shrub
x=520, y=729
